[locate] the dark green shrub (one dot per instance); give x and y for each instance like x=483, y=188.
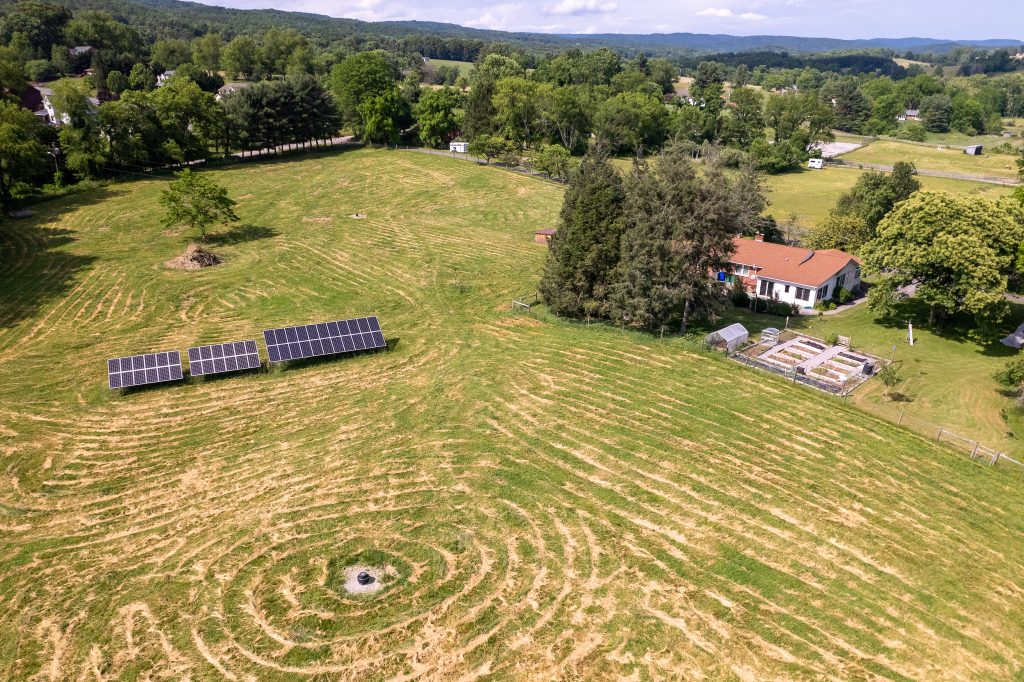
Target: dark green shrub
x=844, y=296
x=739, y=296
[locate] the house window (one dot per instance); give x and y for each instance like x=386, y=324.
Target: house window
x=767, y=288
x=840, y=280
x=803, y=294
x=786, y=289
x=740, y=270
x=822, y=294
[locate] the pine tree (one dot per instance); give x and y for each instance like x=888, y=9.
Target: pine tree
x=585, y=251
x=679, y=231
x=647, y=291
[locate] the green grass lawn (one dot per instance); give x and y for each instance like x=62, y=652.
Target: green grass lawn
x=541, y=499
x=811, y=194
x=948, y=377
x=463, y=67
x=888, y=152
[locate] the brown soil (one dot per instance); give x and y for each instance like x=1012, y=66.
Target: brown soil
x=194, y=258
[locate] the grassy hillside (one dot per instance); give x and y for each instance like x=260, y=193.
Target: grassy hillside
x=811, y=194
x=463, y=67
x=551, y=500
x=888, y=152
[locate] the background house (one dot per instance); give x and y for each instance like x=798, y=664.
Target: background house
x=789, y=273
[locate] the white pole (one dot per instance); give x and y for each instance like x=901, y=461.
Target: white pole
x=910, y=332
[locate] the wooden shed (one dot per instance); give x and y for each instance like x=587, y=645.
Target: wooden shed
x=543, y=236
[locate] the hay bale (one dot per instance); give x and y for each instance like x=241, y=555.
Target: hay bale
x=194, y=258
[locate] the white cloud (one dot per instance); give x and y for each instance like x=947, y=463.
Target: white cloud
x=715, y=12
x=582, y=7
x=726, y=13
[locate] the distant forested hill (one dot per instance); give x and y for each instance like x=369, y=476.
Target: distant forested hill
x=175, y=18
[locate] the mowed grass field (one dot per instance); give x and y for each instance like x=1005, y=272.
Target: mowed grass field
x=554, y=501
x=463, y=67
x=888, y=152
x=812, y=194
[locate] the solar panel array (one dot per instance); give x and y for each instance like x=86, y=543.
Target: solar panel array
x=218, y=358
x=325, y=338
x=140, y=370
x=284, y=343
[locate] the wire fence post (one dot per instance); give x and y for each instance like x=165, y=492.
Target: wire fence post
x=900, y=422
x=939, y=437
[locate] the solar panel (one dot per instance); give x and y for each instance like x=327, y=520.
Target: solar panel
x=139, y=370
x=325, y=338
x=218, y=358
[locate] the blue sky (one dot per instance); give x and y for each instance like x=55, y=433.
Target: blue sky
x=953, y=19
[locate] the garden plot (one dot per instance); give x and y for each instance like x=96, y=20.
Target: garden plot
x=835, y=366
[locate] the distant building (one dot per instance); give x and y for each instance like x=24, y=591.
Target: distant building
x=458, y=147
x=973, y=149
x=49, y=113
x=817, y=164
x=789, y=273
x=228, y=88
x=543, y=236
x=80, y=50
x=163, y=78
x=909, y=115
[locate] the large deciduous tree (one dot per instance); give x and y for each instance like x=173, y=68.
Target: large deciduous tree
x=874, y=195
x=359, y=78
x=196, y=201
x=959, y=251
x=20, y=150
x=436, y=114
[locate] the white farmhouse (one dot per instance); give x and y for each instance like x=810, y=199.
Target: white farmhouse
x=458, y=147
x=791, y=274
x=49, y=112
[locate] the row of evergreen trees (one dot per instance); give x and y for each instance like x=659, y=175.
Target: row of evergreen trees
x=641, y=249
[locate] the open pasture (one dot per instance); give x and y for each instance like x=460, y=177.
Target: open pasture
x=542, y=499
x=888, y=152
x=811, y=194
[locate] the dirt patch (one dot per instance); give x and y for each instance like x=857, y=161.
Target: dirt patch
x=358, y=216
x=194, y=258
x=317, y=219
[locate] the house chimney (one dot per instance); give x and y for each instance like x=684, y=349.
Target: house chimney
x=759, y=237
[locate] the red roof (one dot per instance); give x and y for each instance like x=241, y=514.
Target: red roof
x=790, y=263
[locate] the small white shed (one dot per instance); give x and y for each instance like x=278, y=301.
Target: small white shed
x=458, y=147
x=731, y=337
x=817, y=164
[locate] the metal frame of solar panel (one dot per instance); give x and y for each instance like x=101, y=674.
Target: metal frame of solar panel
x=141, y=370
x=324, y=338
x=218, y=358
